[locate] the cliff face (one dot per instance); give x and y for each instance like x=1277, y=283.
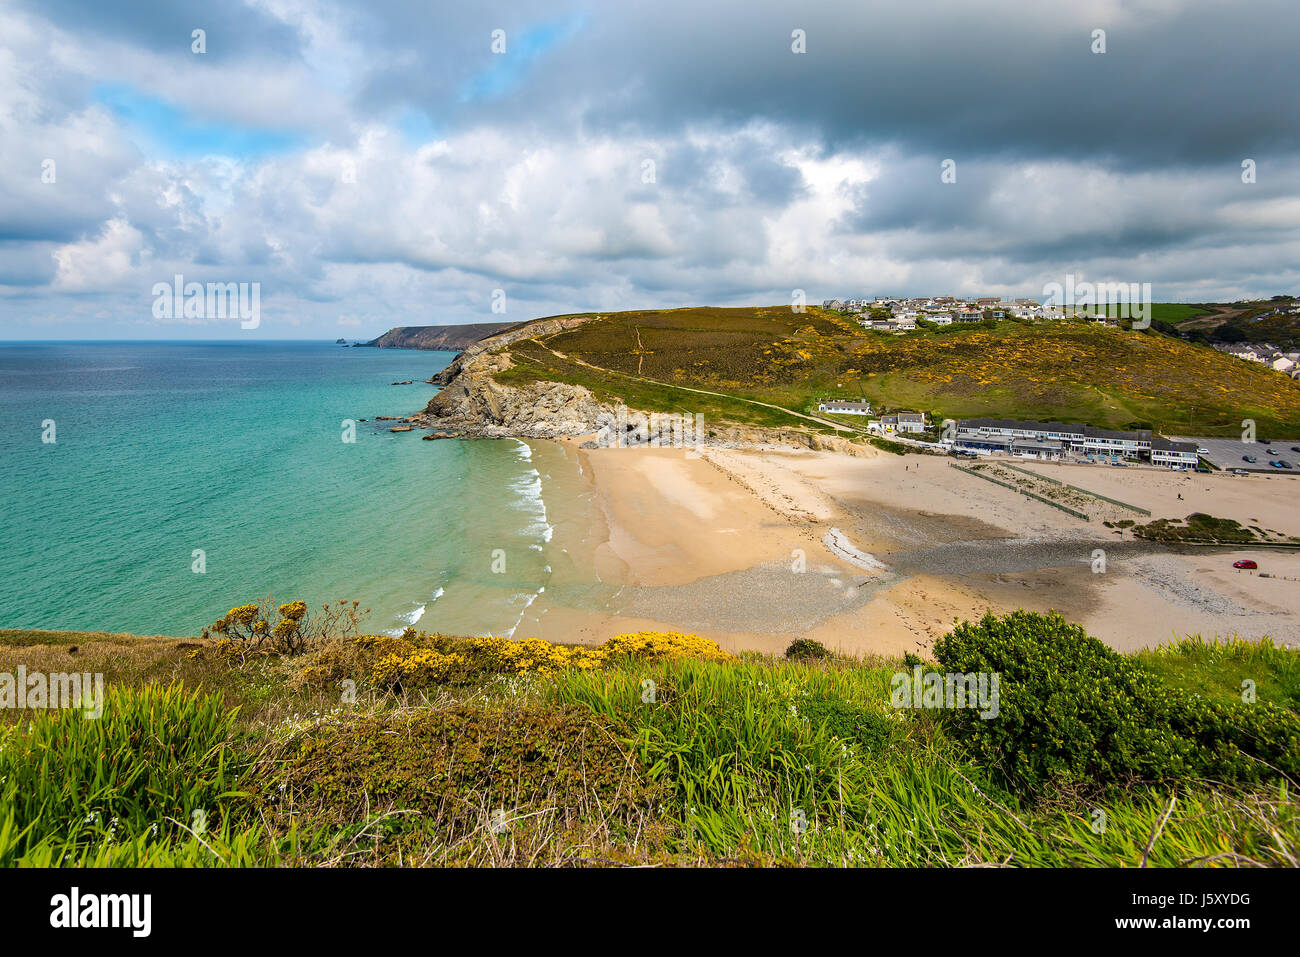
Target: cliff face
x=473, y=403
x=528, y=330
x=446, y=338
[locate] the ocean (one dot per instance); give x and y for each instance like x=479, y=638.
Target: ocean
x=186, y=478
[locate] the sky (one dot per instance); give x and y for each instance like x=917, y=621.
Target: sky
x=365, y=165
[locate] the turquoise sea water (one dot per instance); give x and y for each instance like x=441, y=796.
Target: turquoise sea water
x=236, y=449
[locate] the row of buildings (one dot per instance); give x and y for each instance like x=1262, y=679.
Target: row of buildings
x=897, y=314
x=1053, y=441
x=1265, y=354
x=1049, y=441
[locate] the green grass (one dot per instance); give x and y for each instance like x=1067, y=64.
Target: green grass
x=753, y=761
x=1225, y=670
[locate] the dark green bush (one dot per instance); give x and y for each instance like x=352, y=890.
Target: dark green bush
x=1071, y=709
x=806, y=649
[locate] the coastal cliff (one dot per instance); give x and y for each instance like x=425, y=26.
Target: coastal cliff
x=443, y=338
x=473, y=403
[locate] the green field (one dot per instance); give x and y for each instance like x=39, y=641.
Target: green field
x=1072, y=371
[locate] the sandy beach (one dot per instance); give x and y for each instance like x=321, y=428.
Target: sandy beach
x=879, y=555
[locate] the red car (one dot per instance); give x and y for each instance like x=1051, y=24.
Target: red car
x=1245, y=563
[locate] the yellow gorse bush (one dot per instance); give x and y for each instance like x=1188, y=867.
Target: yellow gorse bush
x=422, y=667
x=659, y=645
x=534, y=655
x=409, y=662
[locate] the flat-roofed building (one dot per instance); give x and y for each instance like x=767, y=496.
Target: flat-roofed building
x=844, y=407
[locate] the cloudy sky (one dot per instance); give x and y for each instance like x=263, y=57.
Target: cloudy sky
x=373, y=164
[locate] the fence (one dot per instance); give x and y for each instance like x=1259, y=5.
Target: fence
x=1104, y=498
x=1045, y=501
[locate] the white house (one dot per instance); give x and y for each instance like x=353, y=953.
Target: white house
x=844, y=407
x=903, y=422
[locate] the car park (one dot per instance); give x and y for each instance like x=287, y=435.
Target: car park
x=1245, y=563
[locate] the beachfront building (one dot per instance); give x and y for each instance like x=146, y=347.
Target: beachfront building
x=905, y=422
x=1125, y=445
x=844, y=407
x=1045, y=451
x=1056, y=440
x=1173, y=454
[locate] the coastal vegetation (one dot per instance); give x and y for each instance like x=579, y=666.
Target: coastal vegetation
x=651, y=748
x=1070, y=370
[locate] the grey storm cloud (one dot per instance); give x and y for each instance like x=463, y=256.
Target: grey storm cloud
x=233, y=30
x=1179, y=82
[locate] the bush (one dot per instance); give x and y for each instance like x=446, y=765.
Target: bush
x=1073, y=710
x=260, y=627
x=806, y=649
x=451, y=770
x=413, y=661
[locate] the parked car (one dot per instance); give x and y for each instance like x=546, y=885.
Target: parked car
x=1271, y=451
x=1249, y=458
x=1276, y=463
x=1202, y=468
x=1202, y=451
x=1240, y=472
x=1285, y=463
x=1245, y=563
x=1295, y=448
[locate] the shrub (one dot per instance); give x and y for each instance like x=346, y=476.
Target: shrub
x=418, y=669
x=413, y=662
x=665, y=645
x=806, y=649
x=452, y=769
x=1074, y=710
x=259, y=627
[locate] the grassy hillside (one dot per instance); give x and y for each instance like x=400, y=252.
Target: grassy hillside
x=1074, y=371
x=651, y=749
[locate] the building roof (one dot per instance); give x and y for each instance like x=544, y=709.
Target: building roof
x=1024, y=425
x=1161, y=444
